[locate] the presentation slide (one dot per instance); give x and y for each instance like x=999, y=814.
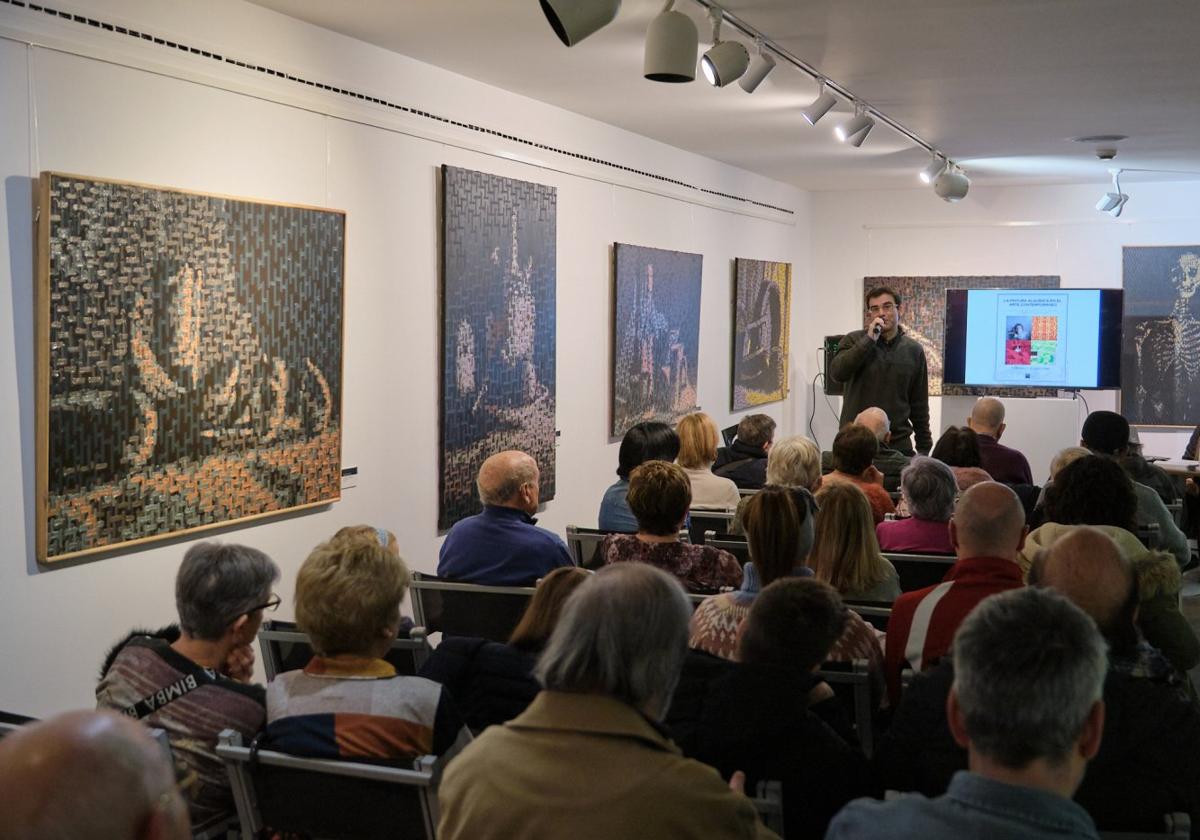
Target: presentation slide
x=1036, y=338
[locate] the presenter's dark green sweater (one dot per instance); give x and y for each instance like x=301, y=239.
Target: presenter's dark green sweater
x=891, y=375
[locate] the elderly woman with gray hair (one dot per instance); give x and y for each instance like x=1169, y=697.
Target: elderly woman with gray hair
x=929, y=490
x=192, y=680
x=608, y=673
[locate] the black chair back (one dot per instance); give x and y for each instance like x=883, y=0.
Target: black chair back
x=468, y=609
x=733, y=543
x=328, y=799
x=285, y=648
x=707, y=520
x=916, y=571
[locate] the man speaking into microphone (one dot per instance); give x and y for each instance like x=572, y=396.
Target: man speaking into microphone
x=881, y=366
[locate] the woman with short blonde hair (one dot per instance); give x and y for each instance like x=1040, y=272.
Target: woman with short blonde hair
x=349, y=702
x=845, y=552
x=697, y=452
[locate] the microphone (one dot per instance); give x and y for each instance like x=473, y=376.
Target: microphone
x=876, y=329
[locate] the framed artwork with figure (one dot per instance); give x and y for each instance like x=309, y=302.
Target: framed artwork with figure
x=762, y=306
x=1160, y=335
x=656, y=335
x=189, y=362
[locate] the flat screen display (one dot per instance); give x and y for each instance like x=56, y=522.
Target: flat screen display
x=1035, y=338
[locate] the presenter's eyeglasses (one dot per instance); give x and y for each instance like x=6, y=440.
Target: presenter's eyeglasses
x=880, y=309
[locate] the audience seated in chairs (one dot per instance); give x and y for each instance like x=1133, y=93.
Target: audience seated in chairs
x=1149, y=759
x=492, y=682
x=348, y=702
x=1002, y=463
x=845, y=552
x=771, y=716
x=793, y=463
x=660, y=495
x=1106, y=433
x=649, y=441
x=1144, y=472
x=587, y=759
x=88, y=774
x=744, y=462
x=958, y=448
x=502, y=546
x=890, y=462
x=697, y=452
x=1094, y=490
x=193, y=681
x=854, y=449
x=1026, y=704
x=987, y=531
x=779, y=534
x=929, y=489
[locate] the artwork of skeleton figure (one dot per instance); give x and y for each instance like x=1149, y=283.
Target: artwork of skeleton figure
x=498, y=330
x=193, y=351
x=657, y=335
x=923, y=318
x=1161, y=335
x=762, y=311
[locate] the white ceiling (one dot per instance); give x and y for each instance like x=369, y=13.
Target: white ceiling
x=1000, y=85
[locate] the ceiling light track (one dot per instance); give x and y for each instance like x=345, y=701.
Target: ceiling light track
x=816, y=75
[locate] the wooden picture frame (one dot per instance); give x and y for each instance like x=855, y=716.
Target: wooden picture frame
x=188, y=362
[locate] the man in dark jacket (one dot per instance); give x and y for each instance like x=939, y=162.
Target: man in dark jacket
x=769, y=714
x=882, y=366
x=745, y=462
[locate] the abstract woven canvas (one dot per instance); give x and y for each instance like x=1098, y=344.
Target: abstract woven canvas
x=189, y=362
x=923, y=317
x=656, y=340
x=498, y=330
x=761, y=318
x=1160, y=344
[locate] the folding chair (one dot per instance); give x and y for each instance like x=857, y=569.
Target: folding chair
x=285, y=648
x=734, y=544
x=468, y=609
x=854, y=674
x=325, y=798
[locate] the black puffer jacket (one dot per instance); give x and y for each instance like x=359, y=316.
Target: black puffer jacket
x=490, y=682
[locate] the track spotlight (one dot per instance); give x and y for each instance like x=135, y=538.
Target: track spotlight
x=1113, y=202
x=855, y=130
x=725, y=60
x=951, y=185
x=671, y=46
x=574, y=20
x=936, y=166
x=819, y=107
x=762, y=65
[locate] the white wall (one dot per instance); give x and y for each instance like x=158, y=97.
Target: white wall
x=100, y=104
x=994, y=231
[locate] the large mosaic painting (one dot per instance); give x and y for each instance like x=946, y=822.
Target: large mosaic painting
x=1160, y=344
x=498, y=330
x=923, y=317
x=189, y=362
x=656, y=337
x=762, y=309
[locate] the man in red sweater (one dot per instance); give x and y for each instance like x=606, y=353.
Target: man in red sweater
x=987, y=531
